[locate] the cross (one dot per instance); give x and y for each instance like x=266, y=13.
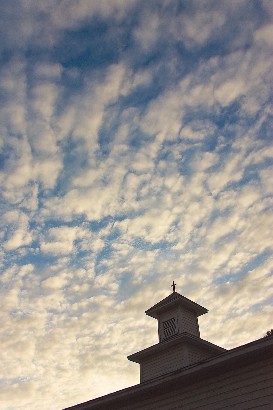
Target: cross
x=173, y=286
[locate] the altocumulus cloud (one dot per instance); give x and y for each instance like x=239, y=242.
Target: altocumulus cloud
x=135, y=148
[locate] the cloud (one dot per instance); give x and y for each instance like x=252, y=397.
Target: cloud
x=135, y=149
x=60, y=240
x=187, y=29
x=147, y=31
x=55, y=282
x=264, y=34
x=197, y=130
x=229, y=91
x=17, y=230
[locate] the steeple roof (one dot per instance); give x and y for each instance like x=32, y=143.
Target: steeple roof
x=185, y=337
x=175, y=299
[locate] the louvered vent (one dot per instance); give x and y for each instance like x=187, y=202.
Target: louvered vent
x=169, y=327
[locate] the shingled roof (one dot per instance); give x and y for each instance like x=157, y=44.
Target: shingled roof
x=175, y=299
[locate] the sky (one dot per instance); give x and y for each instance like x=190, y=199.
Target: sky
x=135, y=149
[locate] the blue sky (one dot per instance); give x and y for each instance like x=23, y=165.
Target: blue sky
x=135, y=149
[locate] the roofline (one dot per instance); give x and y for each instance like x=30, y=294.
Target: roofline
x=243, y=355
x=183, y=337
x=180, y=300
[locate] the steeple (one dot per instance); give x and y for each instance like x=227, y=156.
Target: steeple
x=176, y=314
x=180, y=344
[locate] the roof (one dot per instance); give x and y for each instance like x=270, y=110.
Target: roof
x=172, y=300
x=240, y=356
x=169, y=343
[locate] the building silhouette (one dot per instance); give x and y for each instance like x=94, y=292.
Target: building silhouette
x=184, y=371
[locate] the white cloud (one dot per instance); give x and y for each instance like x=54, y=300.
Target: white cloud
x=47, y=171
x=229, y=91
x=46, y=71
x=197, y=130
x=265, y=34
x=182, y=191
x=55, y=282
x=164, y=115
x=13, y=84
x=199, y=28
x=30, y=130
x=71, y=15
x=18, y=233
x=146, y=34
x=60, y=241
x=84, y=116
x=231, y=171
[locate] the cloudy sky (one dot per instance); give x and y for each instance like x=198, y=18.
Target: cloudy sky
x=135, y=149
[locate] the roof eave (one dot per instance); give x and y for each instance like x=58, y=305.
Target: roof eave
x=194, y=307
x=183, y=338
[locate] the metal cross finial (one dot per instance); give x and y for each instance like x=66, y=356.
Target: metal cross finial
x=173, y=286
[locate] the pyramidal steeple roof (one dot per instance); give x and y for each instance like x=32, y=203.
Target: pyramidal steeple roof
x=175, y=299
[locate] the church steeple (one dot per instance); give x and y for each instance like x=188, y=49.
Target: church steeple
x=176, y=314
x=180, y=344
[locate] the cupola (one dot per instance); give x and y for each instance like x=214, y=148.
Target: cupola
x=176, y=314
x=180, y=344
